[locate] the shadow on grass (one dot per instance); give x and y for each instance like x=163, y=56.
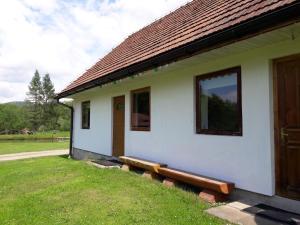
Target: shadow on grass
x=64, y=156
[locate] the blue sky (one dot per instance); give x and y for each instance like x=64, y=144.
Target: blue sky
x=65, y=37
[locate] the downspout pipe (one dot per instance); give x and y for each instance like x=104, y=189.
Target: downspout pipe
x=71, y=128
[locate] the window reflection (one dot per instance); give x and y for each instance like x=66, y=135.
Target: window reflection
x=140, y=118
x=219, y=103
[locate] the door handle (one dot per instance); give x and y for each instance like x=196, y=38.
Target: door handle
x=283, y=134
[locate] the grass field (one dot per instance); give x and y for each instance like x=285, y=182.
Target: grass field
x=7, y=147
x=39, y=135
x=57, y=190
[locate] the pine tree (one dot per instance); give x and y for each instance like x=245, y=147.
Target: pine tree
x=43, y=112
x=35, y=94
x=35, y=101
x=50, y=115
x=48, y=89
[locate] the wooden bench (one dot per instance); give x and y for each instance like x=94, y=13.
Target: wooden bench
x=213, y=190
x=141, y=163
x=197, y=180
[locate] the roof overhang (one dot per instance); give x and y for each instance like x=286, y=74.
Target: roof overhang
x=266, y=22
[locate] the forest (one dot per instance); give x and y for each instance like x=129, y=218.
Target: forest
x=38, y=112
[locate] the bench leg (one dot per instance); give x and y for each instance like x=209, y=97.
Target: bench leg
x=150, y=175
x=168, y=182
x=126, y=167
x=212, y=196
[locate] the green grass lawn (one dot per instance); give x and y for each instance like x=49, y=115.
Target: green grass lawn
x=7, y=147
x=38, y=135
x=57, y=190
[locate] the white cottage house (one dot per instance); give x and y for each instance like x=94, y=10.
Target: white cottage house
x=212, y=88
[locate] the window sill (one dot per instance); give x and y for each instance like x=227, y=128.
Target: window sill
x=220, y=133
x=140, y=128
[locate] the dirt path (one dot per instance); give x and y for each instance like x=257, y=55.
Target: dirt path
x=27, y=155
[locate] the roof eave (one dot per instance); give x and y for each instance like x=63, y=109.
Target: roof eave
x=263, y=23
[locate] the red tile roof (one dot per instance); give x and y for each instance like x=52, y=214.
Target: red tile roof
x=192, y=21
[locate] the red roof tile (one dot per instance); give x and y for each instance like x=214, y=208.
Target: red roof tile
x=192, y=21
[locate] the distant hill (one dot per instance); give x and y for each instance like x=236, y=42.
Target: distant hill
x=17, y=103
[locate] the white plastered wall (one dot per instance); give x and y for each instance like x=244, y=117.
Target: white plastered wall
x=248, y=161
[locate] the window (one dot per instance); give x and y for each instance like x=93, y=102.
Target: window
x=218, y=103
x=140, y=109
x=85, y=115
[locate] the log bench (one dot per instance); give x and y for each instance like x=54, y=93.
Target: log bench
x=197, y=180
x=141, y=163
x=213, y=190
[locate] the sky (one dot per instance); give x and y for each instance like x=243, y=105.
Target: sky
x=65, y=37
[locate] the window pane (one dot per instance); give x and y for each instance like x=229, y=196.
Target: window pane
x=85, y=115
x=141, y=109
x=219, y=103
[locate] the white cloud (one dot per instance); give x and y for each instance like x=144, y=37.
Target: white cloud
x=11, y=91
x=64, y=38
x=45, y=7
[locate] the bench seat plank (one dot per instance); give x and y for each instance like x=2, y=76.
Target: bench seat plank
x=197, y=180
x=141, y=163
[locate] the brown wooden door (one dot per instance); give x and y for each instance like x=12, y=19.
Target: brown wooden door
x=118, y=125
x=287, y=124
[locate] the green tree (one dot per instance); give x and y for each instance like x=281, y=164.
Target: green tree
x=64, y=117
x=13, y=117
x=50, y=114
x=35, y=101
x=48, y=89
x=40, y=112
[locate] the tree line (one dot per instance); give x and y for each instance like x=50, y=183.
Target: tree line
x=39, y=111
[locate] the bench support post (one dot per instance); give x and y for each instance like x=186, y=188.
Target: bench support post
x=126, y=167
x=150, y=175
x=168, y=182
x=212, y=196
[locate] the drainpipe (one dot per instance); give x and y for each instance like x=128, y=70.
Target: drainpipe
x=71, y=128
